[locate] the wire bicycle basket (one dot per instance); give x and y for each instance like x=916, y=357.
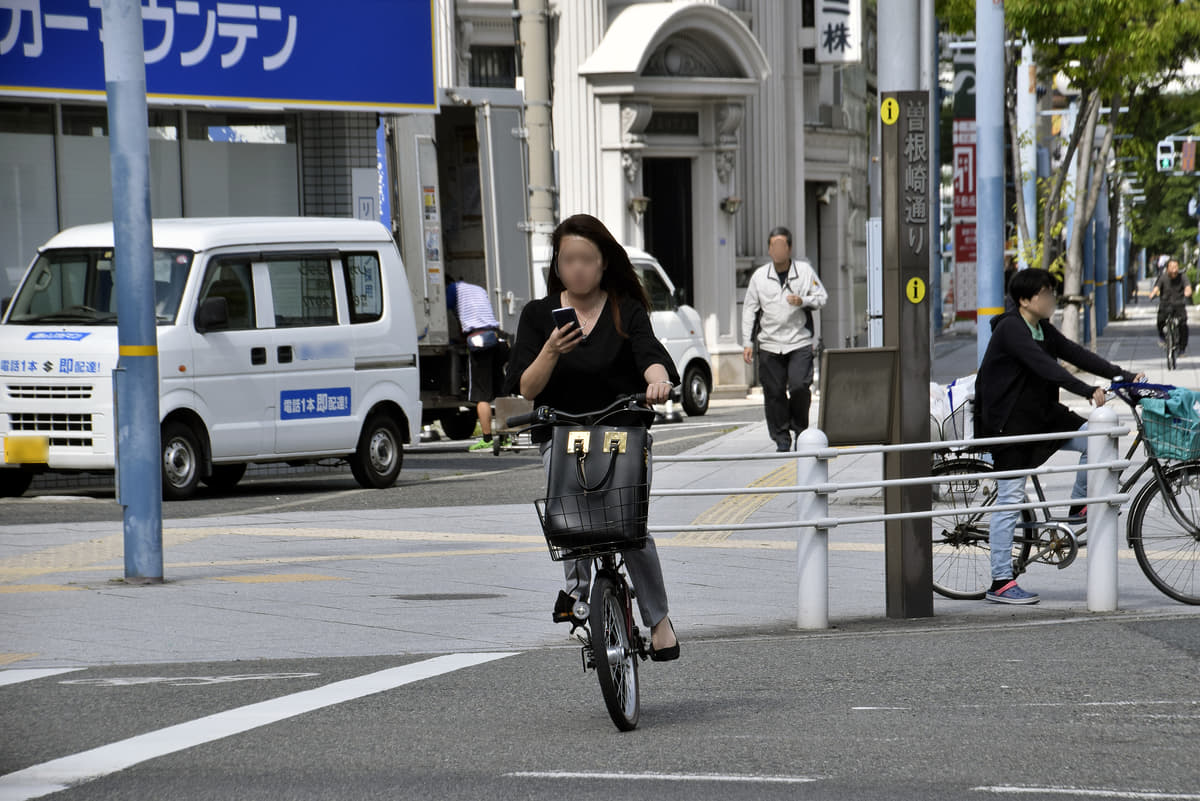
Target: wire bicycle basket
x=590, y=524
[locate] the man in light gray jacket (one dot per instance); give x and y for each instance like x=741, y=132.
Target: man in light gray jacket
x=783, y=291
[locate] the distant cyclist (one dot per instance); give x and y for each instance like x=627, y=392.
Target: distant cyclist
x=1176, y=292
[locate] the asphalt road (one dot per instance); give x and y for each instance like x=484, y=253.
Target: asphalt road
x=433, y=474
x=1087, y=708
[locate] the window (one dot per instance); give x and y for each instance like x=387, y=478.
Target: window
x=365, y=286
x=231, y=279
x=162, y=124
x=231, y=128
x=28, y=118
x=493, y=67
x=302, y=291
x=656, y=290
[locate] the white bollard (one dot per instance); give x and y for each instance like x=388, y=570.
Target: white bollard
x=1102, y=534
x=812, y=541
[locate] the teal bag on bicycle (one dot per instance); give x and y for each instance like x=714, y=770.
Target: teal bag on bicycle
x=1173, y=424
x=597, y=496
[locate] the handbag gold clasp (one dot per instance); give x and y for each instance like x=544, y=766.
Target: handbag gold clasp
x=578, y=441
x=618, y=437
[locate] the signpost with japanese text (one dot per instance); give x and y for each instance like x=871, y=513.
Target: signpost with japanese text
x=372, y=55
x=907, y=177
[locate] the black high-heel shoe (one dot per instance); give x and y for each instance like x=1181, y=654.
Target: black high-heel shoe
x=563, y=606
x=665, y=654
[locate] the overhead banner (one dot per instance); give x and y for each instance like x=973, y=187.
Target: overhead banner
x=367, y=55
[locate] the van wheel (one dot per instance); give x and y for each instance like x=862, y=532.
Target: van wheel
x=13, y=483
x=225, y=476
x=459, y=425
x=380, y=453
x=180, y=461
x=695, y=392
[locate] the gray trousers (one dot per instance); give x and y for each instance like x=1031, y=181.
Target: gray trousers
x=645, y=571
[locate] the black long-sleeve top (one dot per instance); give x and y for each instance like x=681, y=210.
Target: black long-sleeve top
x=603, y=367
x=1016, y=390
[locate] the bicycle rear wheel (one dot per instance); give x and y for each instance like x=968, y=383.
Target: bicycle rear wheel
x=1168, y=554
x=962, y=558
x=612, y=648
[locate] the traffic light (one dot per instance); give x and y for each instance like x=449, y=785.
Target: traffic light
x=1166, y=156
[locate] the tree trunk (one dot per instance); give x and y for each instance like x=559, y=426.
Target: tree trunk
x=1073, y=270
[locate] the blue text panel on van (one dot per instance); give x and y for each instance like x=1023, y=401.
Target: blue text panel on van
x=298, y=404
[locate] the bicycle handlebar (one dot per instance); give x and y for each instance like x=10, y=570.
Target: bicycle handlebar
x=546, y=415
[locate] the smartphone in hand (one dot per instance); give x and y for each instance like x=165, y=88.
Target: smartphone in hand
x=564, y=316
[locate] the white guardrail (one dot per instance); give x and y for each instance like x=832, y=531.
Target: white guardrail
x=813, y=487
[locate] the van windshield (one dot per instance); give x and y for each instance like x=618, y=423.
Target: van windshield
x=76, y=286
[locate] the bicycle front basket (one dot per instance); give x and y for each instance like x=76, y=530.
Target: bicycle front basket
x=1169, y=436
x=593, y=523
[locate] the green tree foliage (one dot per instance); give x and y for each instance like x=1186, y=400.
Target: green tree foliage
x=1127, y=48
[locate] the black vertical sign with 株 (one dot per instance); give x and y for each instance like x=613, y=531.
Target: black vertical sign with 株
x=907, y=179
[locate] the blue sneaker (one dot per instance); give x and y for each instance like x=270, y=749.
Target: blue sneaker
x=1010, y=593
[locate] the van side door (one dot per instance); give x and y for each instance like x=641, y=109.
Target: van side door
x=233, y=363
x=313, y=354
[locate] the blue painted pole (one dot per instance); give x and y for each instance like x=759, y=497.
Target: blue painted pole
x=989, y=143
x=139, y=475
x=1103, y=268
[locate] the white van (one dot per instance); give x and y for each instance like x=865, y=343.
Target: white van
x=676, y=324
x=279, y=340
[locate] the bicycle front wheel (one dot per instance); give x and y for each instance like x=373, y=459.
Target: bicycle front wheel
x=1172, y=332
x=962, y=558
x=612, y=648
x=1167, y=552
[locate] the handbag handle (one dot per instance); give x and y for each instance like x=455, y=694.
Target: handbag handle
x=613, y=448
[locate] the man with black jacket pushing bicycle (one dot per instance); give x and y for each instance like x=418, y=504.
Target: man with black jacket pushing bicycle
x=1016, y=392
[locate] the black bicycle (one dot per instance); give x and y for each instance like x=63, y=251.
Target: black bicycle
x=1171, y=338
x=1163, y=526
x=612, y=644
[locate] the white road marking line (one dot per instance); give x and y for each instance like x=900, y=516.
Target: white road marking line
x=664, y=777
x=60, y=774
x=1082, y=792
x=30, y=674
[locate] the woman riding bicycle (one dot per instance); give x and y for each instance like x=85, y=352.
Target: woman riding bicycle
x=612, y=352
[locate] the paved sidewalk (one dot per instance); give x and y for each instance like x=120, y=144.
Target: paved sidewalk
x=479, y=578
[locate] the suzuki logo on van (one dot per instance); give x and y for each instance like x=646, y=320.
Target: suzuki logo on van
x=48, y=366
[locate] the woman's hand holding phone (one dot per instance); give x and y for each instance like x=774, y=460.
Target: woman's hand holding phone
x=567, y=333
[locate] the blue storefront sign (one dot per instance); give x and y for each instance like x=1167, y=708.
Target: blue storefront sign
x=360, y=55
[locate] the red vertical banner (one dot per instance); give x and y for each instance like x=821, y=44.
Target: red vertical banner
x=965, y=177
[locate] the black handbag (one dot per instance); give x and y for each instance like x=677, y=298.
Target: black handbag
x=597, y=498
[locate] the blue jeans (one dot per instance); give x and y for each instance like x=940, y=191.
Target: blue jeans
x=1012, y=490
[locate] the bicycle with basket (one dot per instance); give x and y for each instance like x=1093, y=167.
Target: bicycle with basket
x=1162, y=526
x=595, y=508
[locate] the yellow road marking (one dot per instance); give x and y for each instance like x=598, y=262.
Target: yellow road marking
x=10, y=588
x=737, y=508
x=8, y=659
x=279, y=578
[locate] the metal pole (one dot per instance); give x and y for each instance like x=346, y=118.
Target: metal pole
x=1102, y=517
x=138, y=451
x=989, y=115
x=812, y=542
x=535, y=69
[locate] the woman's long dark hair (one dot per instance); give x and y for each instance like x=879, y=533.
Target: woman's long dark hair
x=619, y=279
